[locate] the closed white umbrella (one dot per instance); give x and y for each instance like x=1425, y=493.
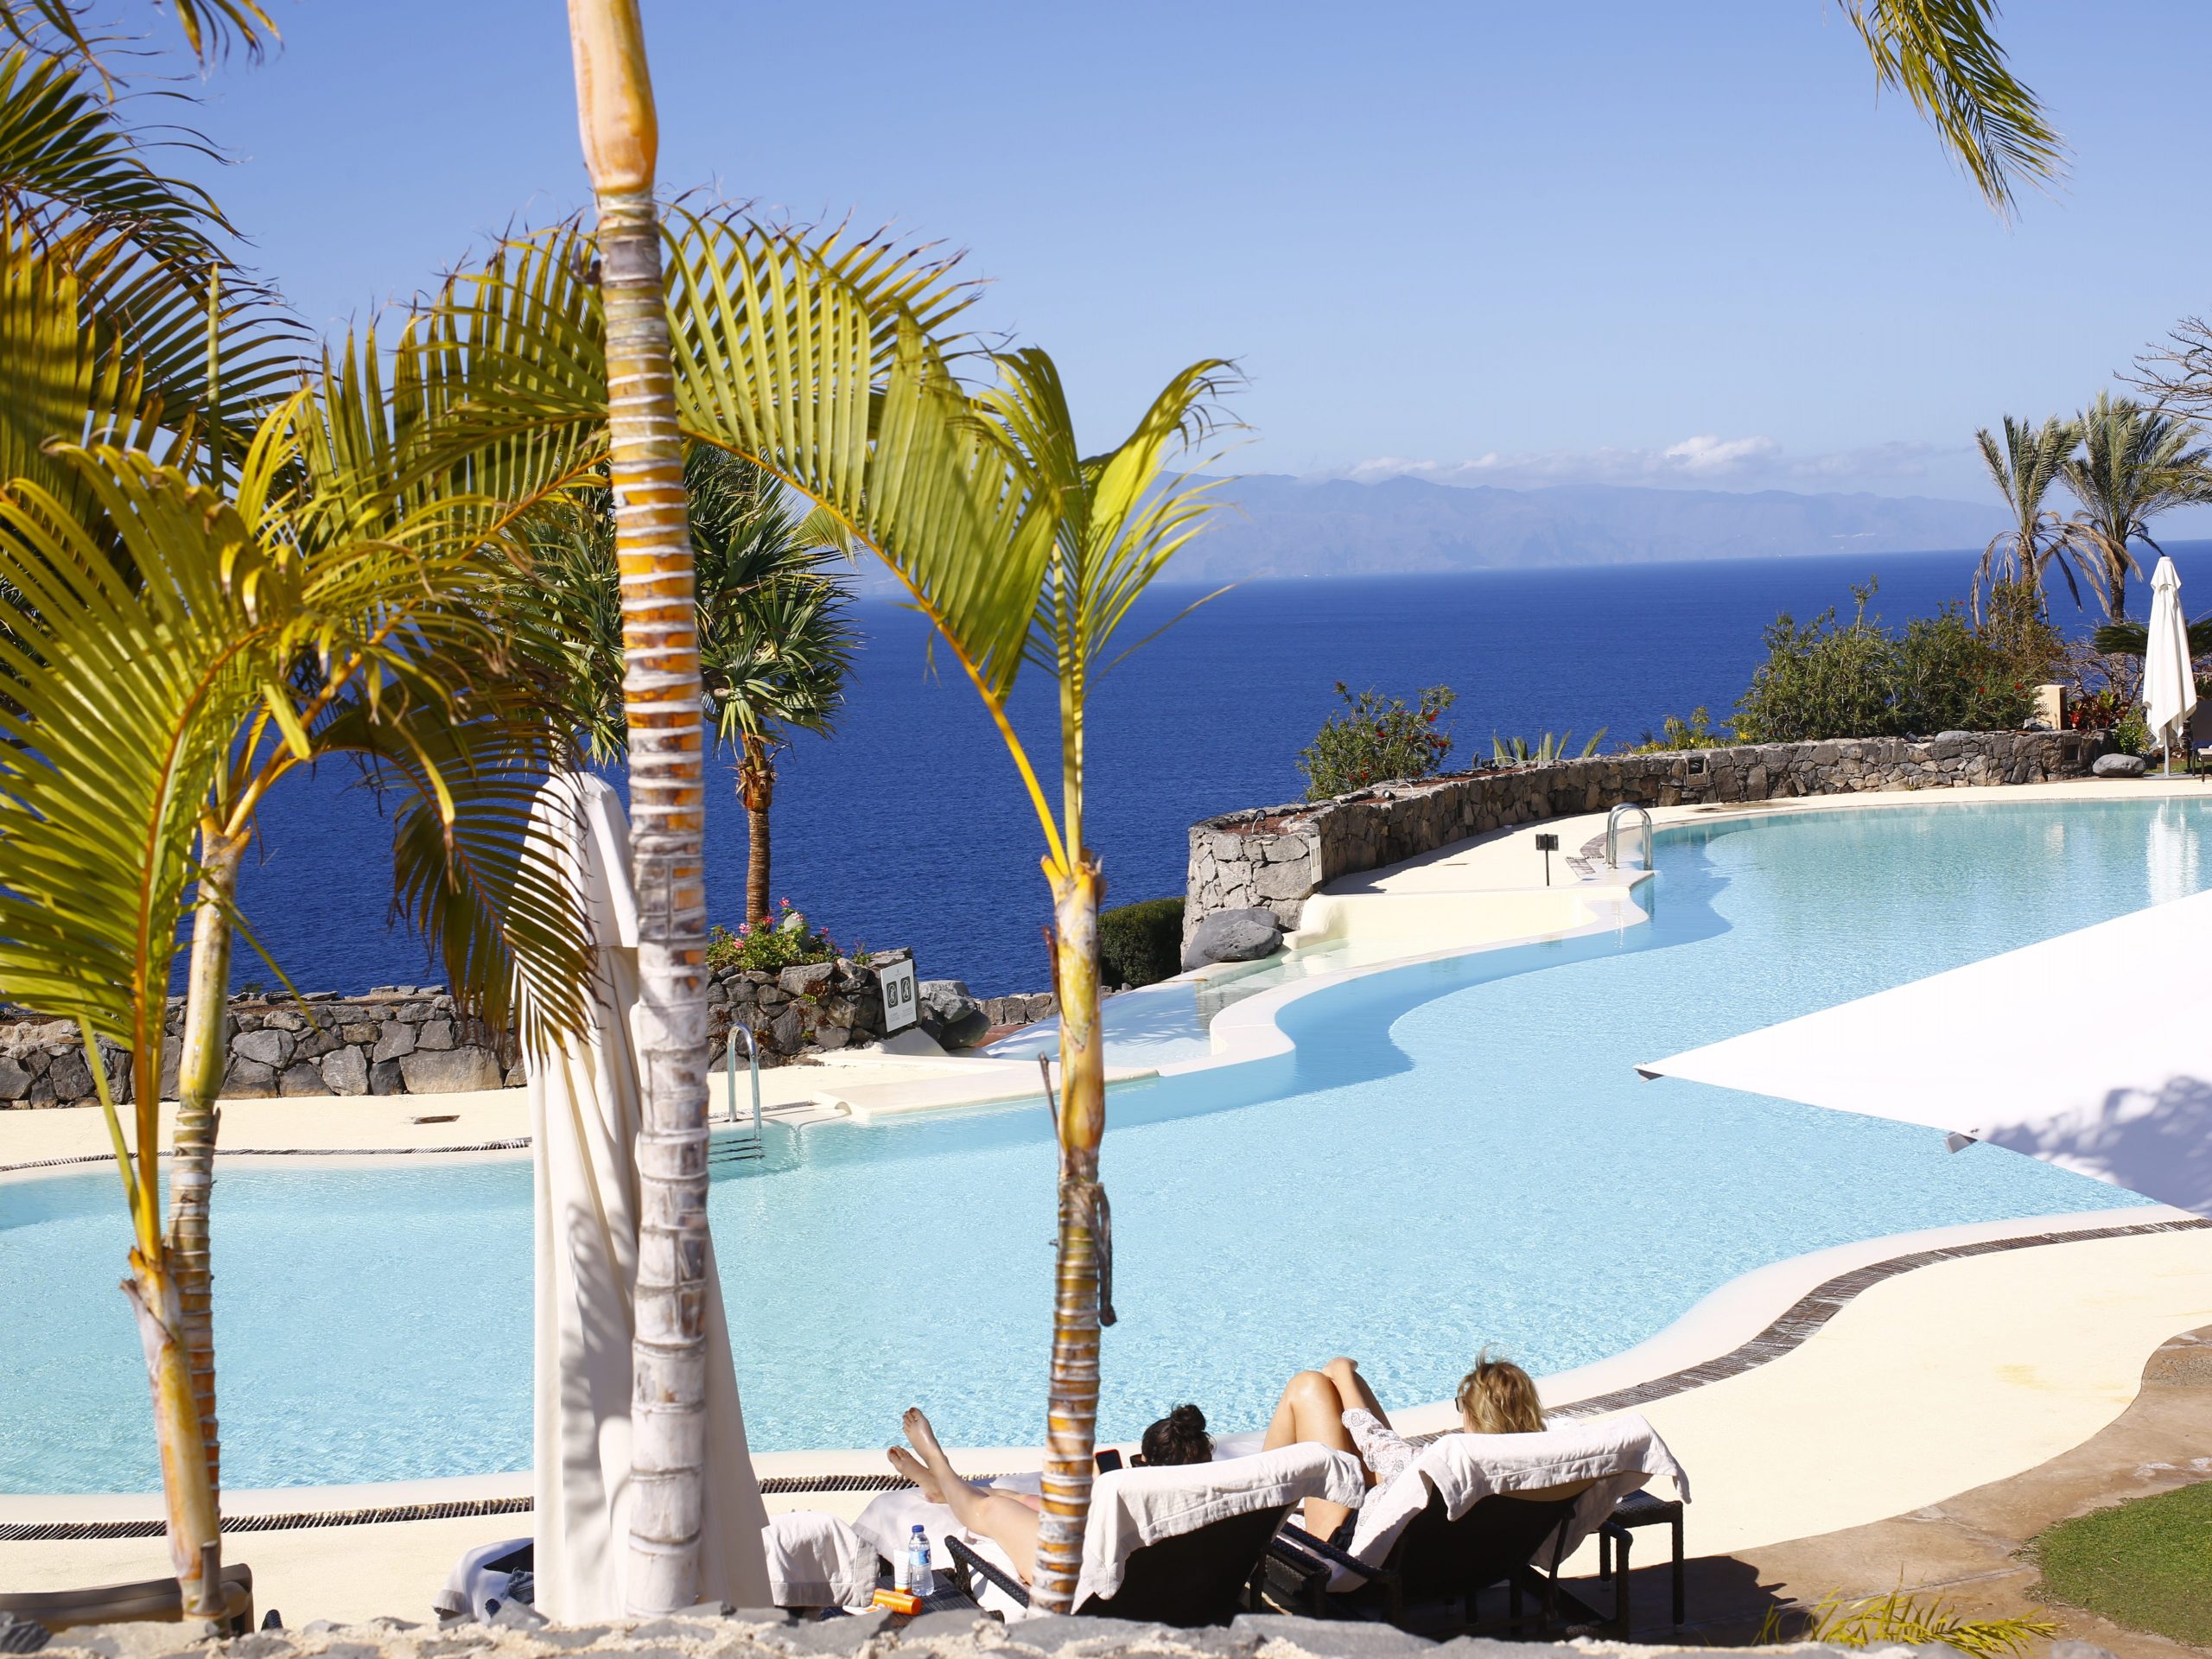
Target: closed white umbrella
x=2169, y=680
x=1975, y=1052
x=585, y=1110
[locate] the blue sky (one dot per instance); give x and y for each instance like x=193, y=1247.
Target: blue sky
x=1619, y=240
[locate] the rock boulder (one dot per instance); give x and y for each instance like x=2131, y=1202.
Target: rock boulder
x=2120, y=766
x=1233, y=935
x=949, y=1014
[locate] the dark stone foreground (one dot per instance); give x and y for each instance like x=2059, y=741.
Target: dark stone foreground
x=756, y=1634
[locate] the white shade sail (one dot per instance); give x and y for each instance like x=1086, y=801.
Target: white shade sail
x=584, y=1107
x=2169, y=680
x=1998, y=1051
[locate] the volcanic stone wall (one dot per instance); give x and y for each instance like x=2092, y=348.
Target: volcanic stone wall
x=1276, y=856
x=412, y=1040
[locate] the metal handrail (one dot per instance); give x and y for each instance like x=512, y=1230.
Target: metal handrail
x=1613, y=833
x=730, y=1068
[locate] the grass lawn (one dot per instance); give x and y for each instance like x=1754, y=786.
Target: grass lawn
x=2146, y=1565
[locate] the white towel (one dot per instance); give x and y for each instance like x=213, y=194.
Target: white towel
x=817, y=1561
x=1131, y=1508
x=1619, y=1454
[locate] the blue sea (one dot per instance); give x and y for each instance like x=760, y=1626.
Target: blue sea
x=909, y=827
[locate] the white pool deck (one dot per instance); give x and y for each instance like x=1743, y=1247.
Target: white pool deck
x=1925, y=1384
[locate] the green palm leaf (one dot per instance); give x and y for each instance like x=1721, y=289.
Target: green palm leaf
x=1944, y=56
x=97, y=830
x=68, y=159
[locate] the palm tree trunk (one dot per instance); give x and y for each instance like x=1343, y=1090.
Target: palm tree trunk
x=756, y=786
x=202, y=1063
x=1072, y=1413
x=661, y=696
x=187, y=1484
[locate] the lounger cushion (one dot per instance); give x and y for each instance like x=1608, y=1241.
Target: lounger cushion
x=889, y=1519
x=817, y=1561
x=1620, y=1455
x=1131, y=1508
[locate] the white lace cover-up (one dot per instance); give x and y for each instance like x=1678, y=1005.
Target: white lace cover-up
x=1382, y=1448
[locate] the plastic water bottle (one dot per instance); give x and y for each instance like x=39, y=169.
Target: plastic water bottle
x=919, y=1579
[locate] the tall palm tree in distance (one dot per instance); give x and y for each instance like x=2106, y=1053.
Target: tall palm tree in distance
x=776, y=633
x=2136, y=463
x=2024, y=468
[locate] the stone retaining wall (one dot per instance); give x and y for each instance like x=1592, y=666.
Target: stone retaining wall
x=823, y=1005
x=1276, y=856
x=398, y=1039
x=411, y=1039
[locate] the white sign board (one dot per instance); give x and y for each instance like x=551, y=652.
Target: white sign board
x=897, y=982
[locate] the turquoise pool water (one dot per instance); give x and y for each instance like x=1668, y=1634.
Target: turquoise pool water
x=1457, y=1154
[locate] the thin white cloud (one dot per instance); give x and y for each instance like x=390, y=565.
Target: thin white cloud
x=1705, y=460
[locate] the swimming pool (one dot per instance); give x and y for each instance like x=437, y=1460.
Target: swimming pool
x=1445, y=1160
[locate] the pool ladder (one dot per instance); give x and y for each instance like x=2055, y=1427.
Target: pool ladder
x=1613, y=832
x=748, y=1146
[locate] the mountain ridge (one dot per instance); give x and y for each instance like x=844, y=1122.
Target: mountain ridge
x=1275, y=525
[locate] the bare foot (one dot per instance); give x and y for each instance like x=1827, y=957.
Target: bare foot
x=924, y=1440
x=916, y=1470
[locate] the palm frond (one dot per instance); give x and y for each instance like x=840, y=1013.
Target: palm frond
x=69, y=161
x=817, y=362
x=63, y=376
x=116, y=727
x=495, y=399
x=1119, y=519
x=61, y=27
x=1901, y=1619
x=467, y=876
x=1944, y=56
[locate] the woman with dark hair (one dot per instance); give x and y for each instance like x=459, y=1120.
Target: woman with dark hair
x=1010, y=1519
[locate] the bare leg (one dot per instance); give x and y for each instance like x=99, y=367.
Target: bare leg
x=918, y=1472
x=1312, y=1410
x=1000, y=1517
x=1352, y=1386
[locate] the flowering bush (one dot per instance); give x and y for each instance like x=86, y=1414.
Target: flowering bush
x=1375, y=740
x=768, y=947
x=2111, y=710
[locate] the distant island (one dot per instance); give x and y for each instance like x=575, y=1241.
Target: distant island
x=1293, y=527
x=1336, y=527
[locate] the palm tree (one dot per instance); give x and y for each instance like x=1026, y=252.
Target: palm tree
x=1105, y=525
x=2135, y=463
x=2023, y=470
x=776, y=635
x=229, y=648
x=662, y=698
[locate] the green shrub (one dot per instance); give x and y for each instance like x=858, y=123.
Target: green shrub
x=770, y=948
x=1675, y=732
x=1950, y=679
x=1141, y=944
x=1820, y=681
x=1376, y=740
x=2016, y=627
x=1857, y=679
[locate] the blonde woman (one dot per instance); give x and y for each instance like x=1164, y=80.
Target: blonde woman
x=1334, y=1407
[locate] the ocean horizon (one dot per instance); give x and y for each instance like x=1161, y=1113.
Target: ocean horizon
x=909, y=827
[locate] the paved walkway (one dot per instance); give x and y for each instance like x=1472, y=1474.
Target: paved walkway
x=1965, y=1548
